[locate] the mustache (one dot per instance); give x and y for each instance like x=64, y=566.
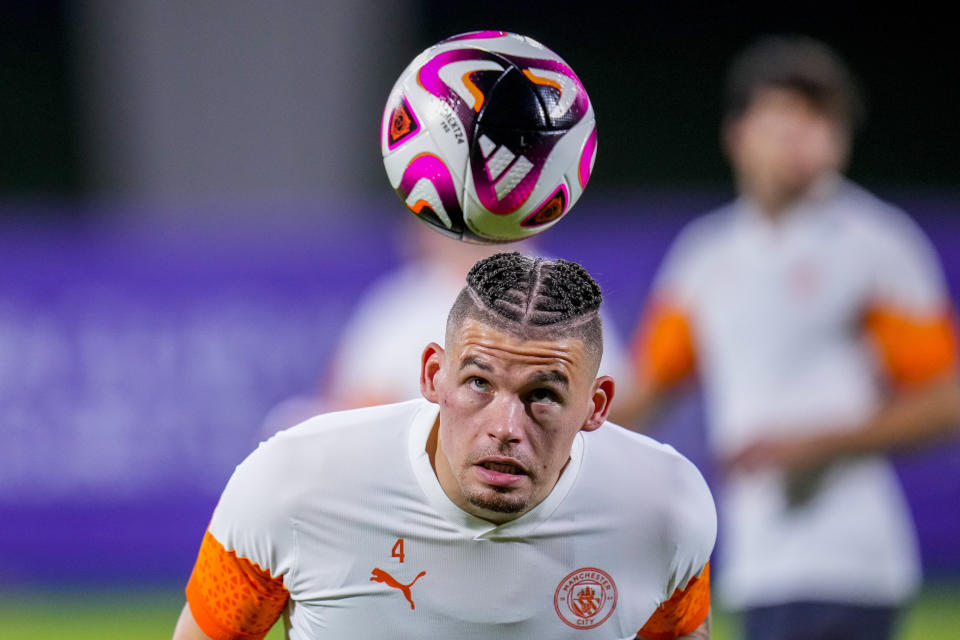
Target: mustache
x=504, y=450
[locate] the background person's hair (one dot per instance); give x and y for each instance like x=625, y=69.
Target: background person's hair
x=532, y=298
x=798, y=63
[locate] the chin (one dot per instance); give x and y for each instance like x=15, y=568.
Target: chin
x=495, y=502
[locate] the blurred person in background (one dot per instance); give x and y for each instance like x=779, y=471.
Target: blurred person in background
x=817, y=320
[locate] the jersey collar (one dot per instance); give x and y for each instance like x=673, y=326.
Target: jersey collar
x=810, y=206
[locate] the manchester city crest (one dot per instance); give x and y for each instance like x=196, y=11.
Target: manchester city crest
x=585, y=598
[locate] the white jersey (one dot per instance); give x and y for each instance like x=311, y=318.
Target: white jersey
x=780, y=316
x=344, y=515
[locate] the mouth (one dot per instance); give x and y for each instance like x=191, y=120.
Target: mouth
x=501, y=472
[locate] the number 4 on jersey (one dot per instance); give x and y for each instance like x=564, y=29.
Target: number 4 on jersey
x=397, y=551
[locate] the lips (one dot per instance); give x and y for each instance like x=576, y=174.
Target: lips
x=500, y=471
x=502, y=467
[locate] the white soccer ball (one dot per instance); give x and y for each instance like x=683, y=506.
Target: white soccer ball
x=488, y=137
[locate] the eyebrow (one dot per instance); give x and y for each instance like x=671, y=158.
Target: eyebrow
x=475, y=361
x=551, y=376
x=541, y=376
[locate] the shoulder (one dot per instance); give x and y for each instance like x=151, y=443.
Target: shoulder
x=656, y=492
x=300, y=470
x=902, y=261
x=874, y=220
x=706, y=229
x=696, y=244
x=286, y=469
x=664, y=478
x=415, y=282
x=409, y=291
x=349, y=424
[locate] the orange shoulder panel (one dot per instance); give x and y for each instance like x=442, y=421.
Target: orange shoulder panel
x=663, y=348
x=232, y=598
x=913, y=349
x=686, y=610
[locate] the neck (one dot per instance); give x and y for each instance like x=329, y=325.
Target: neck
x=774, y=208
x=774, y=203
x=431, y=446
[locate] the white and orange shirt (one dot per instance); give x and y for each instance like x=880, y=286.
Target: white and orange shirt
x=801, y=324
x=340, y=525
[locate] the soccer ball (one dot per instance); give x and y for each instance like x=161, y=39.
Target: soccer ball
x=488, y=137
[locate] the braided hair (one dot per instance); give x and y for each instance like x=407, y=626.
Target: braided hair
x=532, y=298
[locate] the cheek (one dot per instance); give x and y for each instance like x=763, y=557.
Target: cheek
x=453, y=442
x=561, y=417
x=753, y=152
x=557, y=428
x=548, y=424
x=462, y=403
x=461, y=414
x=821, y=147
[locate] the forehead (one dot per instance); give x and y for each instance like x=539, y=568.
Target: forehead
x=481, y=341
x=785, y=100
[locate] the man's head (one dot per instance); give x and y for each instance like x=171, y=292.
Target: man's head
x=791, y=108
x=515, y=381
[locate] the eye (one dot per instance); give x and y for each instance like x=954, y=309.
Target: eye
x=543, y=395
x=478, y=384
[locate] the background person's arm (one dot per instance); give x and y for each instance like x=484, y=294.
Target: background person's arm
x=664, y=356
x=913, y=417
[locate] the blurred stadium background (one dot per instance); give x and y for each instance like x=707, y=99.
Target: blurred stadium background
x=192, y=199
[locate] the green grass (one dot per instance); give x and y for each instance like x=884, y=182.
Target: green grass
x=141, y=614
x=100, y=614
x=935, y=615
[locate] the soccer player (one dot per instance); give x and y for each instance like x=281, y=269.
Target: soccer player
x=493, y=508
x=818, y=322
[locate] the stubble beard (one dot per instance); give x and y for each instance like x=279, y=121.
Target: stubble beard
x=499, y=500
x=496, y=500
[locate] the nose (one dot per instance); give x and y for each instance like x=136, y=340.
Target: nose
x=506, y=420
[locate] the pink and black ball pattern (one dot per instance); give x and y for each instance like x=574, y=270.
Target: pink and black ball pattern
x=439, y=205
x=446, y=219
x=516, y=118
x=513, y=112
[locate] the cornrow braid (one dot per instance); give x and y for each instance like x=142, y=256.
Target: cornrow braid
x=532, y=298
x=532, y=291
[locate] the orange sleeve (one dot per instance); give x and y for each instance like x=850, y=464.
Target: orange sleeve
x=232, y=598
x=663, y=347
x=686, y=610
x=913, y=349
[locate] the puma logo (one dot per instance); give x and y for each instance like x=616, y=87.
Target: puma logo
x=379, y=575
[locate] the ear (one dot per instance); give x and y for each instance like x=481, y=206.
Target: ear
x=430, y=364
x=599, y=403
